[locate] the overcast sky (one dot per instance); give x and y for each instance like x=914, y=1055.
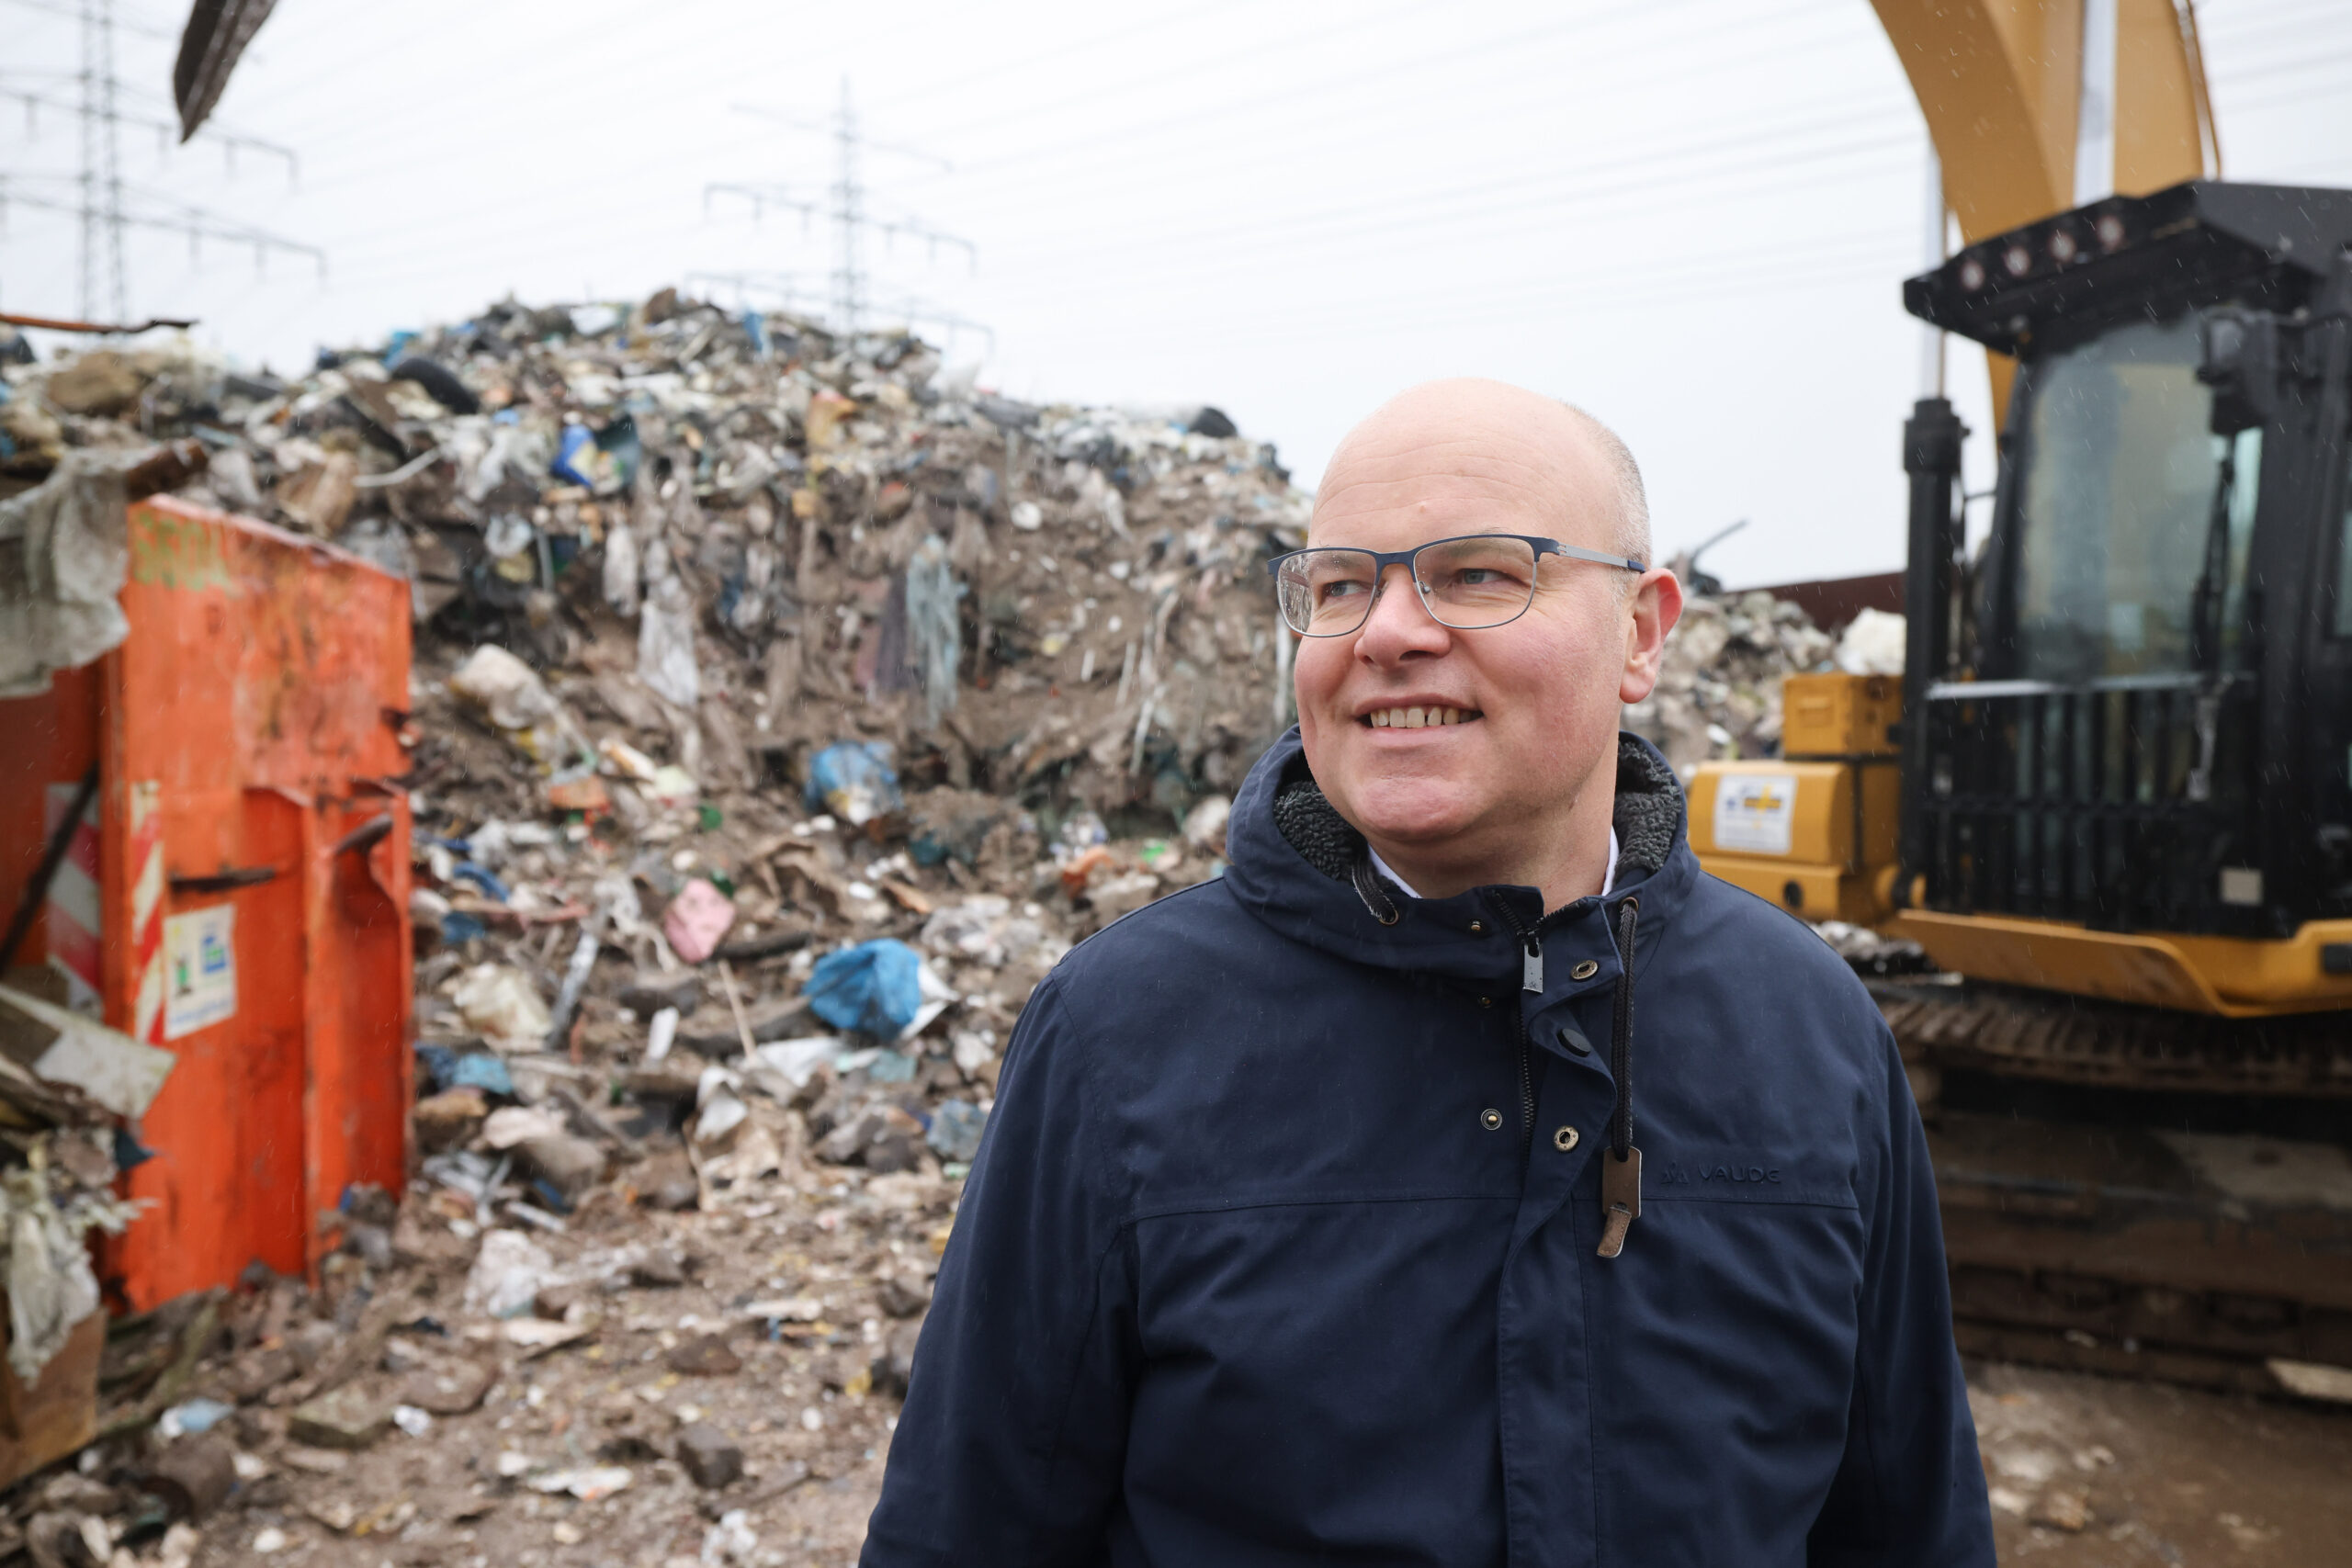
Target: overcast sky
x=1689, y=216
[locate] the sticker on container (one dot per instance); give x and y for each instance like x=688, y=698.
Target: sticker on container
x=1756, y=812
x=199, y=969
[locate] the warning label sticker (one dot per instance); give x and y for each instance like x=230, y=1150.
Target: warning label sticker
x=1756, y=812
x=199, y=969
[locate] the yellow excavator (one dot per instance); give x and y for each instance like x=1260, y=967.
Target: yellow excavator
x=2110, y=796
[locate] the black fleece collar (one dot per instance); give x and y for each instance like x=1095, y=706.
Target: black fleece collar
x=1648, y=816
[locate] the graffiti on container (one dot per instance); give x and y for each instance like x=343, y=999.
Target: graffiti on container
x=176, y=552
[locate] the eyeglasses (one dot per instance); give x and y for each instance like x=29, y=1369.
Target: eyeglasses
x=1469, y=583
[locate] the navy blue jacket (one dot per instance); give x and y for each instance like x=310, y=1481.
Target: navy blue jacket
x=1265, y=1261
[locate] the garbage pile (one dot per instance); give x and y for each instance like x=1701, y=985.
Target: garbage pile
x=70, y=1088
x=1718, y=694
x=755, y=531
x=783, y=709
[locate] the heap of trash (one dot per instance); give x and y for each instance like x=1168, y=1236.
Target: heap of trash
x=1718, y=694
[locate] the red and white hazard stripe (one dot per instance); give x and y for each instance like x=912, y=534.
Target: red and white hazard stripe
x=147, y=913
x=71, y=917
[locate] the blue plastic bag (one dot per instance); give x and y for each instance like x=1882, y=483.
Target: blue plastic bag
x=439, y=1067
x=854, y=780
x=956, y=1131
x=874, y=988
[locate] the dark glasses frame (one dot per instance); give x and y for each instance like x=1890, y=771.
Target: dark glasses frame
x=1383, y=559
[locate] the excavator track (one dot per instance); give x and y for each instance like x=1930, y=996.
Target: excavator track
x=2063, y=1039
x=2114, y=1196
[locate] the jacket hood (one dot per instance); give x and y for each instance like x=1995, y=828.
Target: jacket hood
x=1295, y=862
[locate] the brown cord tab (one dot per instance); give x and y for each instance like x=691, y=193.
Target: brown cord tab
x=1620, y=1199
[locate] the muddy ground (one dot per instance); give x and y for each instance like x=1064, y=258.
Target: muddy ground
x=2157, y=1474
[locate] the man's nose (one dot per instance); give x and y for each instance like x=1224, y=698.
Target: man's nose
x=1399, y=625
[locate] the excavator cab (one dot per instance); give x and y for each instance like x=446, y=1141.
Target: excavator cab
x=2119, y=762
x=2129, y=773
x=2112, y=796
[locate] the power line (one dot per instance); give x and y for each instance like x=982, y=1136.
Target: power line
x=59, y=8
x=1418, y=65
x=103, y=282
x=1635, y=174
x=229, y=142
x=847, y=206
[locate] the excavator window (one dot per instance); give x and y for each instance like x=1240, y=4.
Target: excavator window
x=2134, y=518
x=2344, y=567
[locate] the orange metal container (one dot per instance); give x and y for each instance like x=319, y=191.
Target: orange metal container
x=239, y=894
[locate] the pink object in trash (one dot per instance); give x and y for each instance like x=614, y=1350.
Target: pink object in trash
x=695, y=920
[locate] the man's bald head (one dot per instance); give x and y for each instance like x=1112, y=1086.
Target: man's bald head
x=1498, y=435
x=1464, y=755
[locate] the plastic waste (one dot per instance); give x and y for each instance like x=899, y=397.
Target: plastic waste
x=973, y=1049
x=482, y=876
x=1873, y=644
x=672, y=788
x=660, y=1031
x=192, y=1417
x=874, y=988
x=624, y=759
x=442, y=1068
x=697, y=920
x=500, y=1003
x=1205, y=824
x=621, y=570
x=955, y=1130
x=50, y=1286
x=934, y=630
x=508, y=1274
x=855, y=781
x=481, y=1070
x=799, y=1060
x=665, y=643
x=511, y=695
x=588, y=1484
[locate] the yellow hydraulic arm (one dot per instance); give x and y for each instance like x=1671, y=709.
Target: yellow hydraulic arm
x=2001, y=84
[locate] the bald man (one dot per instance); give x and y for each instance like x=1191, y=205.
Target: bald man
x=1465, y=1176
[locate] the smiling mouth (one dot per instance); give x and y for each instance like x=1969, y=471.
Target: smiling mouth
x=1419, y=717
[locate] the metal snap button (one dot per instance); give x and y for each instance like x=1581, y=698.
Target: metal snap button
x=1486, y=1001
x=1566, y=1139
x=1490, y=1120
x=1584, y=970
x=1477, y=928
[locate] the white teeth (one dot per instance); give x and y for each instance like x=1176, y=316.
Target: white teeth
x=1425, y=718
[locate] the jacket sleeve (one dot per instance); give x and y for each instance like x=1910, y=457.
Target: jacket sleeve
x=1911, y=1488
x=1011, y=1445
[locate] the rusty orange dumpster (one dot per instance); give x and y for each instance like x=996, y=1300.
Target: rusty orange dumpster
x=236, y=889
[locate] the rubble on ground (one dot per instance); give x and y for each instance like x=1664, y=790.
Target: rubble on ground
x=784, y=707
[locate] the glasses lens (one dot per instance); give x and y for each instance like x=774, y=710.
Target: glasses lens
x=1326, y=592
x=1483, y=580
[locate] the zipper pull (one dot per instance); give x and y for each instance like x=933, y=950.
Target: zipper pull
x=1620, y=1197
x=1530, y=969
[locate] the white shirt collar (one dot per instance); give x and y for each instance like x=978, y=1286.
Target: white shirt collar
x=1608, y=875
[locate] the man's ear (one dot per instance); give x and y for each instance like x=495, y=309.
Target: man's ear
x=1655, y=605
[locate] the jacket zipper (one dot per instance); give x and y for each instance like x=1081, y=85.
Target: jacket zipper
x=1526, y=1089
x=1531, y=973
